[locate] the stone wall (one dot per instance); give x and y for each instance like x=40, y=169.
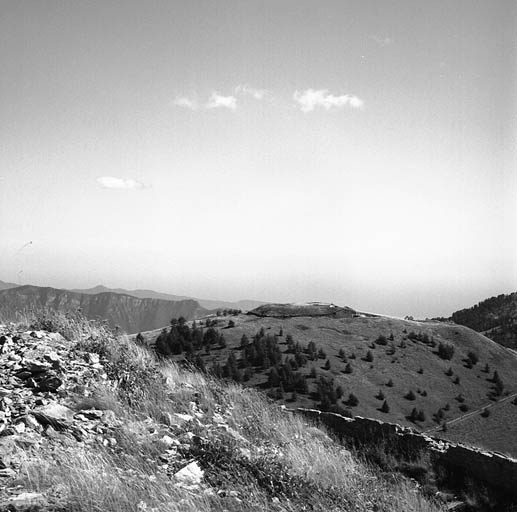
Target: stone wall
x=491, y=468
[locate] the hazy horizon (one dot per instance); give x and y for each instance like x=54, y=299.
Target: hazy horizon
x=361, y=153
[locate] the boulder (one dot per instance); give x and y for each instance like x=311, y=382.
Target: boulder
x=26, y=501
x=190, y=475
x=56, y=415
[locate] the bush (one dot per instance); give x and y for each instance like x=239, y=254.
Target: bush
x=348, y=368
x=410, y=395
x=472, y=357
x=382, y=340
x=464, y=407
x=485, y=413
x=352, y=400
x=390, y=383
x=369, y=356
x=445, y=351
x=385, y=407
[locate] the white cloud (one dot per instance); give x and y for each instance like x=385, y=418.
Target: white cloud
x=119, y=183
x=247, y=90
x=310, y=99
x=218, y=101
x=183, y=101
x=382, y=41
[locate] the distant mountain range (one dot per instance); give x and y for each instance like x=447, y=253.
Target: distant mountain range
x=131, y=314
x=6, y=286
x=132, y=310
x=245, y=305
x=496, y=318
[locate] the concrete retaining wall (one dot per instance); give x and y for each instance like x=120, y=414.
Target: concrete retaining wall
x=491, y=468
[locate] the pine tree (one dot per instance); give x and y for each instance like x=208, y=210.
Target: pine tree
x=385, y=407
x=348, y=368
x=410, y=395
x=352, y=400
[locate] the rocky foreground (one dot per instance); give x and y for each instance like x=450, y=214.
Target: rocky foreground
x=90, y=422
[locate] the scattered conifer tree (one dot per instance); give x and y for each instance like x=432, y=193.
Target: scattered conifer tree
x=410, y=395
x=352, y=401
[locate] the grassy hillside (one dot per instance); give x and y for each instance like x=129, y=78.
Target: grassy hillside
x=120, y=431
x=493, y=428
x=406, y=372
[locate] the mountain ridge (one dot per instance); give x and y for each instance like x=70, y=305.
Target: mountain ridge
x=129, y=313
x=495, y=317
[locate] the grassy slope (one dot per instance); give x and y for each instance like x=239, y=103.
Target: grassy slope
x=355, y=335
x=495, y=432
x=254, y=456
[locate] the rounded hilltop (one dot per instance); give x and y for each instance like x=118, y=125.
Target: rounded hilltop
x=310, y=309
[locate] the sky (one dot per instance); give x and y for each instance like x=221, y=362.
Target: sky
x=355, y=152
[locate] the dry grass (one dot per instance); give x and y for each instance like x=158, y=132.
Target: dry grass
x=290, y=465
x=87, y=480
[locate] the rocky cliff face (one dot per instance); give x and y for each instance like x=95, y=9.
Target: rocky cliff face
x=131, y=314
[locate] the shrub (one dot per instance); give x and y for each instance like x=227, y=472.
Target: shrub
x=385, y=407
x=369, y=356
x=456, y=380
x=352, y=400
x=464, y=407
x=445, y=351
x=348, y=368
x=410, y=395
x=485, y=413
x=472, y=357
x=327, y=365
x=389, y=383
x=420, y=371
x=380, y=395
x=382, y=340
x=449, y=372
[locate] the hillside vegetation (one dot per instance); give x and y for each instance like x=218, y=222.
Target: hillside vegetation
x=495, y=317
x=93, y=422
x=422, y=374
x=130, y=314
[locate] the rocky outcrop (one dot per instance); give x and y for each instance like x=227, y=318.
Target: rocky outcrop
x=131, y=314
x=33, y=417
x=311, y=309
x=490, y=468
